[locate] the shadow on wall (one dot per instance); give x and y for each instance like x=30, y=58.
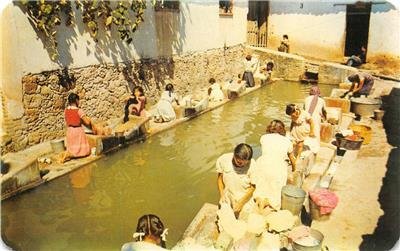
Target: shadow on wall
x=161, y=35
x=387, y=231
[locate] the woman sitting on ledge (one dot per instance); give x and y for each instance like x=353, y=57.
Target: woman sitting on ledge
x=215, y=91
x=135, y=104
x=76, y=140
x=165, y=111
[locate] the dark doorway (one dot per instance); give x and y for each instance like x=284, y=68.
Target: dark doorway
x=257, y=20
x=357, y=27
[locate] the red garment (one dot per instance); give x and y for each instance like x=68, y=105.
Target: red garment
x=72, y=117
x=137, y=109
x=77, y=142
x=325, y=199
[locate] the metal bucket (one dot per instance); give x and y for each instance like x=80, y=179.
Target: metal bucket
x=365, y=106
x=378, y=114
x=297, y=245
x=315, y=212
x=57, y=145
x=292, y=199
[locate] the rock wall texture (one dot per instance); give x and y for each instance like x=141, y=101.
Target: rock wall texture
x=287, y=66
x=103, y=88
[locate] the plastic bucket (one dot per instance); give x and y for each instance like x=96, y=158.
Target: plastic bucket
x=334, y=115
x=348, y=144
x=327, y=132
x=57, y=145
x=292, y=199
x=347, y=119
x=299, y=245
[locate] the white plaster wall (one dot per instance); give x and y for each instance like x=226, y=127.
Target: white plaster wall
x=198, y=27
x=384, y=33
x=310, y=35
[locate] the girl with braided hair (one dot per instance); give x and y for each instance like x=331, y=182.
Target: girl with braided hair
x=150, y=234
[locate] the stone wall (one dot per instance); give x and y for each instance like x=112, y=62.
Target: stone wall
x=287, y=66
x=332, y=73
x=102, y=89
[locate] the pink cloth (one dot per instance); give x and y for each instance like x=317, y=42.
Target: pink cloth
x=77, y=143
x=325, y=199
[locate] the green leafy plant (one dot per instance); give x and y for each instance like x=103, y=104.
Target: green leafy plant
x=45, y=15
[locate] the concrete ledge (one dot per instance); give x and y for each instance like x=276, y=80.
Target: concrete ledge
x=333, y=73
x=202, y=230
x=287, y=66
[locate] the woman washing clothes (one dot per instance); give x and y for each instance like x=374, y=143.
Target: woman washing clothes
x=76, y=140
x=249, y=68
x=272, y=168
x=135, y=104
x=315, y=105
x=361, y=84
x=164, y=110
x=301, y=127
x=150, y=235
x=236, y=179
x=215, y=91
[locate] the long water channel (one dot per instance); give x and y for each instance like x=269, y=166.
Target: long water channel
x=172, y=175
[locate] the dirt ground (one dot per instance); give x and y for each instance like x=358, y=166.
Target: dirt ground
x=357, y=183
x=384, y=65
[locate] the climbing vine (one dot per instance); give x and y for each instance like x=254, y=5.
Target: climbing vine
x=125, y=15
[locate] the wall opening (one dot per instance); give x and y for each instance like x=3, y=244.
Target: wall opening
x=257, y=20
x=357, y=27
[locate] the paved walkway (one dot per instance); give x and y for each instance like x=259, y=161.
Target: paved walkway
x=357, y=182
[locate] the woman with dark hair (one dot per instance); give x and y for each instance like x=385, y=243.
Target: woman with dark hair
x=272, y=166
x=315, y=105
x=357, y=60
x=302, y=127
x=362, y=84
x=136, y=103
x=76, y=141
x=215, y=92
x=164, y=110
x=250, y=66
x=236, y=177
x=150, y=235
x=284, y=47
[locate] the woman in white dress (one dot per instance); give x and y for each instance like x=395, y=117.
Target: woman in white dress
x=215, y=91
x=164, y=110
x=236, y=178
x=272, y=168
x=315, y=106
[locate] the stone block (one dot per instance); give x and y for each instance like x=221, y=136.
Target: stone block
x=95, y=141
x=333, y=73
x=344, y=104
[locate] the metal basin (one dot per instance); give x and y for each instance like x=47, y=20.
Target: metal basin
x=365, y=106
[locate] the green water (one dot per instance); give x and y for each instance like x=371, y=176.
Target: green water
x=171, y=174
